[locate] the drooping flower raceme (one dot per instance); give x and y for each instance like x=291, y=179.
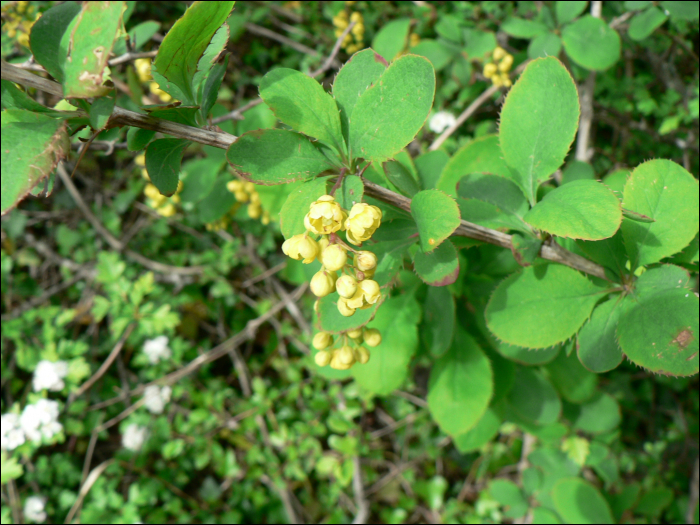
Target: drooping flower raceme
x=34, y=509
x=157, y=349
x=134, y=437
x=441, y=121
x=155, y=398
x=49, y=376
x=11, y=434
x=40, y=420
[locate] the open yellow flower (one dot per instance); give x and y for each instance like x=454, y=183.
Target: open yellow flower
x=301, y=247
x=363, y=221
x=325, y=216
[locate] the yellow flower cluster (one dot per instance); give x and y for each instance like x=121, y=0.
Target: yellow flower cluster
x=498, y=69
x=245, y=192
x=164, y=206
x=18, y=19
x=341, y=22
x=143, y=71
x=350, y=352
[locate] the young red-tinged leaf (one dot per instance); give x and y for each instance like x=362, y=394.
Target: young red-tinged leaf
x=390, y=113
x=275, y=156
x=49, y=32
x=397, y=320
x=91, y=42
x=433, y=228
x=361, y=71
x=541, y=306
x=533, y=398
x=439, y=267
x=163, y=159
x=668, y=194
x=301, y=102
x=591, y=43
x=186, y=42
x=577, y=501
x=582, y=209
x=460, y=386
x=538, y=123
x=597, y=344
x=32, y=145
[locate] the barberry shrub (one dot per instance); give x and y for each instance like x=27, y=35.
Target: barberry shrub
x=599, y=270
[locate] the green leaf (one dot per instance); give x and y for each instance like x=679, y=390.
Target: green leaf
x=429, y=167
x=90, y=44
x=526, y=356
x=460, y=386
x=482, y=155
x=523, y=28
x=47, y=41
x=350, y=191
x=297, y=206
x=498, y=191
x=11, y=469
x=489, y=216
x=139, y=35
x=597, y=347
x=390, y=113
x=390, y=255
x=664, y=191
x=541, y=306
x=32, y=145
x=362, y=70
x=439, y=54
x=533, y=398
x=400, y=177
x=186, y=42
x=391, y=39
x=397, y=320
x=653, y=502
x=637, y=5
x=484, y=431
x=439, y=267
x=138, y=138
x=577, y=501
x=275, y=156
x=610, y=253
x=210, y=88
x=101, y=109
x=599, y=415
x=199, y=176
x=577, y=449
x=217, y=203
x=574, y=383
x=577, y=170
x=208, y=60
x=14, y=98
x=544, y=45
x=438, y=320
x=434, y=228
x=658, y=328
x=541, y=515
x=538, y=123
x=331, y=320
x=582, y=209
x=525, y=249
x=645, y=23
x=163, y=159
x=480, y=43
x=186, y=115
x=567, y=11
x=300, y=102
x=591, y=43
x=682, y=10
x=508, y=494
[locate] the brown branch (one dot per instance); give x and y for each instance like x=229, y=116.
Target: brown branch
x=223, y=140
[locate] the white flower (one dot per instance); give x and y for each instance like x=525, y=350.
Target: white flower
x=50, y=375
x=441, y=121
x=155, y=398
x=157, y=349
x=40, y=419
x=134, y=437
x=34, y=509
x=10, y=432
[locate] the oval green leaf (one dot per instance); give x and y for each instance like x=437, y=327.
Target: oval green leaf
x=533, y=398
x=597, y=346
x=577, y=501
x=645, y=23
x=591, y=43
x=163, y=159
x=439, y=267
x=434, y=228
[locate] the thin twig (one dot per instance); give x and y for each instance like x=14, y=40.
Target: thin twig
x=85, y=488
x=694, y=488
x=263, y=31
x=267, y=273
x=334, y=52
x=237, y=114
x=358, y=489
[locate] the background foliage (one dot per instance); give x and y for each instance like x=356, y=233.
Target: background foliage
x=96, y=268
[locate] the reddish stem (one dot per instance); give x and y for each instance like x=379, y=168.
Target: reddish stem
x=339, y=181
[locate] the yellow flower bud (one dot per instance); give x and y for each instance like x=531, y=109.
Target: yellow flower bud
x=361, y=355
x=322, y=245
x=346, y=355
x=254, y=211
x=241, y=196
x=497, y=80
x=166, y=211
x=144, y=174
x=175, y=199
x=322, y=358
x=356, y=17
x=506, y=80
x=180, y=185
x=322, y=283
x=363, y=221
x=334, y=257
x=322, y=340
x=344, y=308
x=255, y=197
x=140, y=160
x=151, y=192
x=353, y=49
x=338, y=32
x=234, y=185
x=265, y=218
x=490, y=70
x=347, y=40
x=346, y=285
x=365, y=261
x=372, y=337
x=249, y=187
x=358, y=31
x=301, y=247
x=336, y=363
x=354, y=334
x=143, y=69
x=162, y=95
x=413, y=40
x=506, y=63
x=499, y=53
x=325, y=216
